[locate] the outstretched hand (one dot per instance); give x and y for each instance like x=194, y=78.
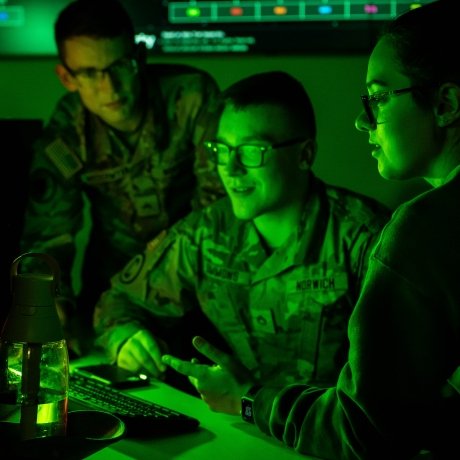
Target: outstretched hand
x=142, y=352
x=220, y=385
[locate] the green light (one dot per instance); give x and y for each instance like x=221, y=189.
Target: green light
x=193, y=12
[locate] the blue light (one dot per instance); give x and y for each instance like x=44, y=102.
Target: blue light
x=325, y=9
x=4, y=16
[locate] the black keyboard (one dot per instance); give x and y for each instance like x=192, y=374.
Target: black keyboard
x=142, y=418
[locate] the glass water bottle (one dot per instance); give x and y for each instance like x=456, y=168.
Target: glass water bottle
x=34, y=361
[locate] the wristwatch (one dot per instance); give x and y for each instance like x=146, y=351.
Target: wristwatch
x=247, y=401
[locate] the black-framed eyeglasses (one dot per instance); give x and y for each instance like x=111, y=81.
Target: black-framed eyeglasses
x=247, y=155
x=121, y=68
x=373, y=102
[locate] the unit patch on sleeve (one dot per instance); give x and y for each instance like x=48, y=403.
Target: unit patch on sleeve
x=63, y=158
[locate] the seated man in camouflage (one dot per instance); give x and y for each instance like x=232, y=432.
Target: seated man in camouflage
x=276, y=266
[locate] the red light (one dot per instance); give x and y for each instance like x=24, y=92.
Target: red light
x=236, y=11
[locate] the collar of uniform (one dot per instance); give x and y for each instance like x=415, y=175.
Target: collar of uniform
x=313, y=223
x=305, y=241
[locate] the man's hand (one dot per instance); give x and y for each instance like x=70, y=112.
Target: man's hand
x=142, y=352
x=221, y=385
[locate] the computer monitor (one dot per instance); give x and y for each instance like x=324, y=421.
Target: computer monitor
x=190, y=27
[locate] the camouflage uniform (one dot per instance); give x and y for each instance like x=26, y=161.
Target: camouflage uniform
x=133, y=193
x=284, y=315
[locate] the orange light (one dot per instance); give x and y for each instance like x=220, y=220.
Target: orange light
x=280, y=10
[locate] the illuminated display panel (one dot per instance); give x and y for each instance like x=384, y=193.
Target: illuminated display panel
x=217, y=26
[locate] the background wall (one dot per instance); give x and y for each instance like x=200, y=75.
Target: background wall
x=30, y=89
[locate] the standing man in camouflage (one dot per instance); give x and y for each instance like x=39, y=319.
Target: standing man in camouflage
x=276, y=266
x=126, y=140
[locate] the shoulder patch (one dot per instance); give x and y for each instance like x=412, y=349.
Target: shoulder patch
x=133, y=269
x=63, y=158
x=142, y=262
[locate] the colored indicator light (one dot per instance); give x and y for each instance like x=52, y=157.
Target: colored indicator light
x=236, y=11
x=193, y=12
x=371, y=9
x=3, y=16
x=415, y=5
x=280, y=10
x=325, y=9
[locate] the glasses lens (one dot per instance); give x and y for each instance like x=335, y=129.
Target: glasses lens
x=251, y=155
x=123, y=67
x=369, y=109
x=87, y=75
x=218, y=152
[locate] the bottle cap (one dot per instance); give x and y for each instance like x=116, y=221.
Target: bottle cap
x=33, y=317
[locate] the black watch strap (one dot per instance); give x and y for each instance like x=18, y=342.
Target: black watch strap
x=247, y=403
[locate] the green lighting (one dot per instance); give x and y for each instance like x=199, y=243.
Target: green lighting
x=193, y=12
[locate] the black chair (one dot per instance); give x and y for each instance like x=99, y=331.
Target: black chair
x=17, y=137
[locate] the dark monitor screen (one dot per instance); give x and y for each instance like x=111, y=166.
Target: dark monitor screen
x=217, y=26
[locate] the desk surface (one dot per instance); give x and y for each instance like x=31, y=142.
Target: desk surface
x=219, y=436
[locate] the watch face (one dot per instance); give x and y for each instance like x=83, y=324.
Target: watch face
x=247, y=401
x=246, y=410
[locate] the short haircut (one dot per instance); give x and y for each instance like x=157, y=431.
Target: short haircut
x=275, y=88
x=92, y=18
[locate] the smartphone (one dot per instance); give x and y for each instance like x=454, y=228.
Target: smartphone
x=114, y=376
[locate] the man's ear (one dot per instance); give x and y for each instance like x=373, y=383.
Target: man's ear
x=65, y=78
x=307, y=154
x=447, y=109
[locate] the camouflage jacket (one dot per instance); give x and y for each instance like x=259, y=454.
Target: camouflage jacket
x=132, y=193
x=285, y=314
